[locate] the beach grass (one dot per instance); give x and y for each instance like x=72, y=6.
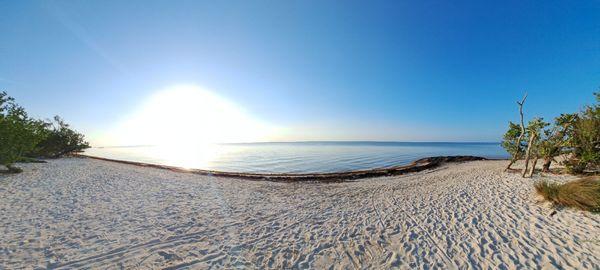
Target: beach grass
x=583, y=194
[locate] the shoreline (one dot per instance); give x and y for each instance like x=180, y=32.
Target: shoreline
x=415, y=166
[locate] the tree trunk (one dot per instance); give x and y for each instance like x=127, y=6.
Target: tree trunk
x=527, y=155
x=533, y=167
x=517, y=156
x=512, y=161
x=546, y=165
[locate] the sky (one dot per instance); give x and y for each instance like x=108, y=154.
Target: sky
x=301, y=70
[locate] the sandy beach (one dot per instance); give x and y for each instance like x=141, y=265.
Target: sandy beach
x=86, y=213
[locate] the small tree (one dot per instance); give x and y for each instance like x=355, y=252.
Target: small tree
x=516, y=136
x=60, y=139
x=19, y=134
x=584, y=144
x=576, y=134
x=534, y=133
x=22, y=136
x=512, y=142
x=556, y=139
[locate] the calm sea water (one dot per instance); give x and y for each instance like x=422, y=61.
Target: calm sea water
x=296, y=157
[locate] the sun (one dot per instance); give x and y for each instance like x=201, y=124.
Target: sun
x=188, y=115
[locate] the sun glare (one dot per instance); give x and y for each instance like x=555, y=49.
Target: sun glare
x=184, y=123
x=188, y=115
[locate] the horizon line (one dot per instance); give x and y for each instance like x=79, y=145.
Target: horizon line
x=305, y=141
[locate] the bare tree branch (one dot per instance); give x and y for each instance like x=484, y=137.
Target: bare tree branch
x=517, y=156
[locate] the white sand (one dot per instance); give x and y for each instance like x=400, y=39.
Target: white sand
x=84, y=213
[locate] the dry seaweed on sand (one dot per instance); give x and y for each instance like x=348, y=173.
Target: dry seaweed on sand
x=583, y=194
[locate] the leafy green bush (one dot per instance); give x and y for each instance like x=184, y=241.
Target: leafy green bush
x=584, y=143
x=59, y=140
x=556, y=138
x=583, y=194
x=511, y=142
x=22, y=137
x=19, y=134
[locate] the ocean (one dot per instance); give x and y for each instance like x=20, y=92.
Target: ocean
x=295, y=157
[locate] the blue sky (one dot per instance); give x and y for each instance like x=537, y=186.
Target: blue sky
x=370, y=70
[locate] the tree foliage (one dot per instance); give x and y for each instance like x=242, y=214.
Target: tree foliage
x=22, y=136
x=575, y=134
x=584, y=142
x=59, y=140
x=19, y=134
x=535, y=129
x=555, y=139
x=511, y=142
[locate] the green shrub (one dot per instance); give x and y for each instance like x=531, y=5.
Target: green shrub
x=511, y=143
x=19, y=134
x=555, y=139
x=59, y=140
x=583, y=194
x=584, y=143
x=22, y=137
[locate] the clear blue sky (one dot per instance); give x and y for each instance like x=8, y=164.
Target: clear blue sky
x=370, y=70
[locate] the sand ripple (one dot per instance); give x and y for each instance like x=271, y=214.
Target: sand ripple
x=83, y=213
